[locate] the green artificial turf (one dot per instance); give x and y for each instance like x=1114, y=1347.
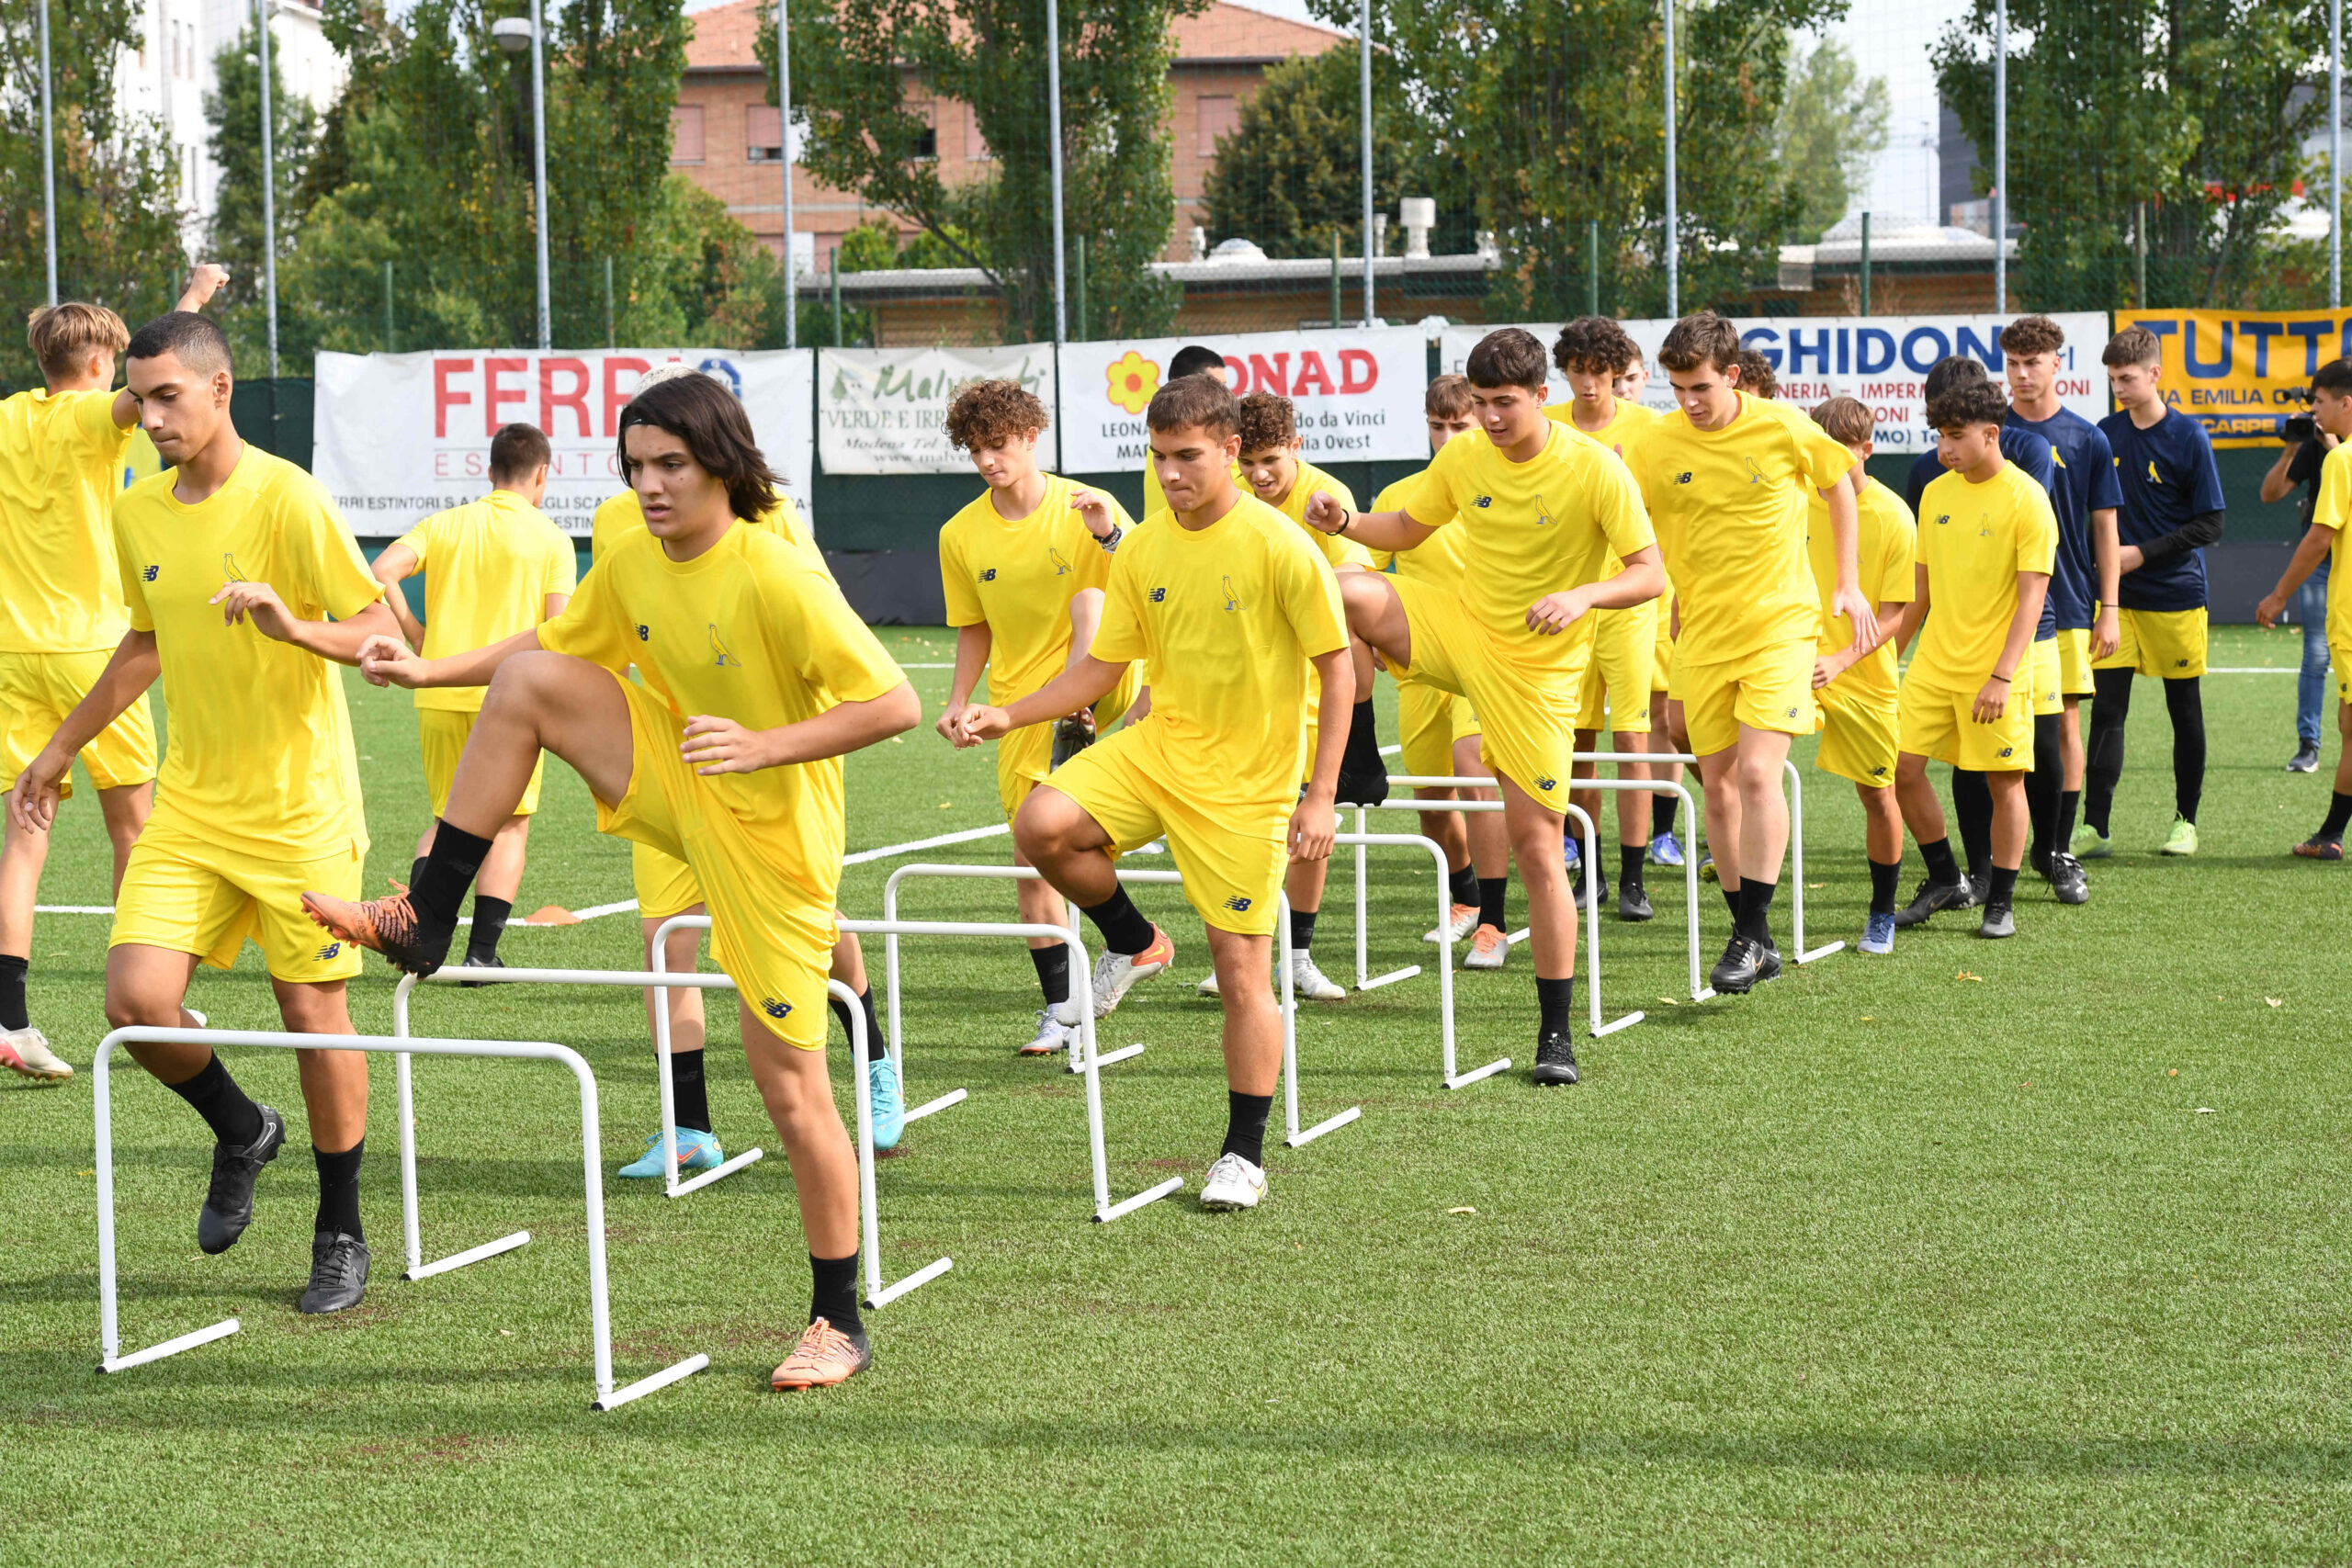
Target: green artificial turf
x=1978, y=1252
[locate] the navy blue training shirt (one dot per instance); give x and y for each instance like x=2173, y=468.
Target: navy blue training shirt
x=2029, y=450
x=2087, y=483
x=2169, y=477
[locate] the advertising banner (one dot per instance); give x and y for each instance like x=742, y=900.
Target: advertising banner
x=1358, y=393
x=884, y=411
x=400, y=436
x=2243, y=373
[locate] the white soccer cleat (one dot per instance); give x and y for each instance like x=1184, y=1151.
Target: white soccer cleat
x=1487, y=950
x=1460, y=922
x=1116, y=973
x=1208, y=987
x=1308, y=981
x=201, y=1022
x=1053, y=1034
x=1233, y=1183
x=25, y=1051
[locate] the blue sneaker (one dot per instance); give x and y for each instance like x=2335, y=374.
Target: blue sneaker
x=696, y=1151
x=1878, y=934
x=1666, y=850
x=890, y=1105
x=1573, y=855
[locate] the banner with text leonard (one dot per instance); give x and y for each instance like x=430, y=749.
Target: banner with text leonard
x=2241, y=373
x=884, y=411
x=1882, y=360
x=400, y=436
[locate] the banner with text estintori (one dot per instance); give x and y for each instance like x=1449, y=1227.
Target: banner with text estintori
x=403, y=436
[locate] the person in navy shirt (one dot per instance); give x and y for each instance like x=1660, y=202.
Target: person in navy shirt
x=2172, y=509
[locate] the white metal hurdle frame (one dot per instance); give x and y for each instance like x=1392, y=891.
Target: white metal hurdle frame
x=599, y=1314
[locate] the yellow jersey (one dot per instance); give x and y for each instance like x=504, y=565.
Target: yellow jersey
x=1338, y=551
x=1228, y=616
x=1885, y=544
x=488, y=567
x=1628, y=424
x=616, y=514
x=1437, y=558
x=2333, y=509
x=61, y=463
x=260, y=757
x=1018, y=576
x=748, y=630
x=1973, y=541
x=1729, y=506
x=1533, y=529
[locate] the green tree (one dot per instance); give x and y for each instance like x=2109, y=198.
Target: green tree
x=1832, y=124
x=233, y=237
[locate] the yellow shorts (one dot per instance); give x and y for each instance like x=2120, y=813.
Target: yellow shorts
x=2339, y=659
x=1527, y=718
x=1624, y=646
x=38, y=690
x=1768, y=689
x=771, y=939
x=2074, y=662
x=2167, y=644
x=2045, y=661
x=1025, y=756
x=1428, y=722
x=665, y=885
x=1662, y=653
x=441, y=737
x=1230, y=854
x=184, y=895
x=1858, y=737
x=1937, y=723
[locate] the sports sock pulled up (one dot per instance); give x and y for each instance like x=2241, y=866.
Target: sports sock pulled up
x=1556, y=1003
x=1662, y=815
x=1462, y=884
x=490, y=924
x=2002, y=889
x=1125, y=930
x=1941, y=867
x=832, y=1293
x=2103, y=758
x=1630, y=858
x=1491, y=890
x=874, y=1048
x=2070, y=803
x=2043, y=785
x=339, y=1191
x=1245, y=1125
x=12, y=991
x=214, y=1095
x=1971, y=810
x=2339, y=813
x=1302, y=929
x=1754, y=920
x=2186, y=705
x=689, y=1092
x=447, y=872
x=1053, y=972
x=1884, y=874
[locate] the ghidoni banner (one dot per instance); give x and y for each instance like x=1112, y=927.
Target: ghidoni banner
x=884, y=411
x=1882, y=360
x=403, y=436
x=1358, y=393
x=2241, y=373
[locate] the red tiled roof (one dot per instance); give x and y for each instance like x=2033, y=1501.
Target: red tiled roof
x=725, y=34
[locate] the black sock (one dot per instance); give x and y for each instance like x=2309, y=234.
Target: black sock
x=1123, y=929
x=2004, y=888
x=1490, y=901
x=1556, y=1000
x=2339, y=812
x=490, y=924
x=832, y=1293
x=1754, y=920
x=2186, y=705
x=1883, y=876
x=689, y=1094
x=1245, y=1125
x=417, y=871
x=1662, y=811
x=447, y=870
x=12, y=991
x=1942, y=868
x=1302, y=929
x=2041, y=785
x=216, y=1097
x=875, y=1046
x=1972, y=809
x=1731, y=899
x=2103, y=758
x=339, y=1191
x=1464, y=886
x=2070, y=801
x=1629, y=865
x=1363, y=752
x=1053, y=972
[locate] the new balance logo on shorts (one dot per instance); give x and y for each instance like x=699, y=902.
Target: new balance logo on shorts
x=1484, y=500
x=1878, y=773
x=1793, y=713
x=643, y=633
x=988, y=576
x=1682, y=479
x=2008, y=750
x=1546, y=783
x=2180, y=663
x=1158, y=595
x=329, y=951
x=1942, y=518
x=774, y=1007
x=148, y=574
x=1238, y=905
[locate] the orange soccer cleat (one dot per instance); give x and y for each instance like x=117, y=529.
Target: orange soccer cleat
x=824, y=1356
x=391, y=926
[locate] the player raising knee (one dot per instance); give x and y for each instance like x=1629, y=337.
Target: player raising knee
x=1544, y=509
x=757, y=680
x=1231, y=604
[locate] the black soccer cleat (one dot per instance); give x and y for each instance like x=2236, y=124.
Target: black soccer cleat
x=1366, y=784
x=1767, y=967
x=1555, y=1060
x=1072, y=734
x=338, y=1273
x=1932, y=897
x=2068, y=879
x=1634, y=902
x=229, y=1201
x=1741, y=966
x=474, y=961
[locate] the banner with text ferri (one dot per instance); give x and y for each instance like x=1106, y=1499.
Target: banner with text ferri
x=1358, y=394
x=2242, y=374
x=400, y=436
x=1882, y=360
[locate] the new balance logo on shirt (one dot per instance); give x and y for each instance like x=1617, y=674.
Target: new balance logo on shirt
x=1683, y=478
x=148, y=574
x=1159, y=596
x=988, y=576
x=644, y=632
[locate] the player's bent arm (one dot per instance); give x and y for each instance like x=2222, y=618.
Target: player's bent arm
x=1642, y=579
x=2199, y=531
x=553, y=607
x=714, y=745
x=2317, y=541
x=1829, y=666
x=972, y=646
x=1994, y=696
x=32, y=802
x=386, y=661
x=342, y=640
x=1082, y=686
x=1845, y=532
x=1375, y=530
x=395, y=566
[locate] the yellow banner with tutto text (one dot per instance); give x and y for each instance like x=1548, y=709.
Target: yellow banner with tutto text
x=2242, y=374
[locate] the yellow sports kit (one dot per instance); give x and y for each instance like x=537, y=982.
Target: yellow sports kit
x=1729, y=506
x=38, y=690
x=1529, y=530
x=1017, y=576
x=1975, y=541
x=752, y=631
x=441, y=737
x=259, y=796
x=1429, y=719
x=2167, y=644
x=1859, y=733
x=2048, y=696
x=2333, y=510
x=1624, y=669
x=1339, y=552
x=2074, y=662
x=1229, y=614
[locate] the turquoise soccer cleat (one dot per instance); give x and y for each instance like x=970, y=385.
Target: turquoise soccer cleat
x=696, y=1151
x=890, y=1105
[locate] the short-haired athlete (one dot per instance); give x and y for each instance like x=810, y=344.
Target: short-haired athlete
x=1544, y=510
x=62, y=450
x=2331, y=525
x=1231, y=604
x=1024, y=568
x=244, y=589
x=1728, y=478
x=758, y=679
x=491, y=567
x=2171, y=509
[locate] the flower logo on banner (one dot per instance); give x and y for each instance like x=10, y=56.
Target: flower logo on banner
x=1134, y=379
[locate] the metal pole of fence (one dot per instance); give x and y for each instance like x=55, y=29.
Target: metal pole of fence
x=610, y=339
x=1335, y=277
x=388, y=304
x=1592, y=266
x=2000, y=157
x=48, y=162
x=1673, y=225
x=269, y=192
x=1081, y=243
x=539, y=162
x=2334, y=154
x=1364, y=42
x=833, y=265
x=1053, y=129
x=783, y=135
x=1866, y=264
x=2139, y=253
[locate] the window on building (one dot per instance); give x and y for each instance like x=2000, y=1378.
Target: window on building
x=1219, y=117
x=926, y=140
x=762, y=134
x=685, y=133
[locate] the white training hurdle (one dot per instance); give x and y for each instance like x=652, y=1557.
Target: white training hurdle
x=599, y=1316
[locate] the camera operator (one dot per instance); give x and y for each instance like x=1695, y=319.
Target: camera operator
x=2298, y=469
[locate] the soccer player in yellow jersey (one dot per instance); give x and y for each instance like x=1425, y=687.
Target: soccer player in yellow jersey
x=1231, y=604
x=1542, y=510
x=2330, y=524
x=243, y=589
x=1666, y=720
x=758, y=679
x=1853, y=683
x=491, y=567
x=1023, y=569
x=1988, y=541
x=1727, y=476
x=63, y=454
x=1590, y=353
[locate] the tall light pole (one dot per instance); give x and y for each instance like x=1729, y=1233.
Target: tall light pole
x=1053, y=129
x=2000, y=157
x=48, y=162
x=2334, y=155
x=539, y=164
x=784, y=136
x=1363, y=40
x=268, y=186
x=1673, y=223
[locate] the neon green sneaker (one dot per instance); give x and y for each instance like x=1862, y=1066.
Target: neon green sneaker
x=2183, y=839
x=2089, y=843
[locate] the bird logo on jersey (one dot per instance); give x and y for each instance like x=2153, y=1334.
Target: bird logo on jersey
x=1061, y=566
x=147, y=574
x=644, y=632
x=228, y=566
x=1159, y=596
x=988, y=576
x=1231, y=602
x=719, y=654
x=2153, y=477
x=775, y=1009
x=1238, y=905
x=1544, y=518
x=1755, y=473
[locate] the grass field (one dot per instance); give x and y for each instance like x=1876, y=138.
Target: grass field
x=1981, y=1253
